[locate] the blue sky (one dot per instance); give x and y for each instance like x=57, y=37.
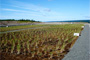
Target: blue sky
x=45, y=10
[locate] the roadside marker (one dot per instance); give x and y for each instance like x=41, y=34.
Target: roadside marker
x=76, y=34
x=82, y=26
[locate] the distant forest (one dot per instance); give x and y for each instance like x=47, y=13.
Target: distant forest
x=22, y=20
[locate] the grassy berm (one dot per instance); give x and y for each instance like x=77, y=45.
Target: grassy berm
x=46, y=43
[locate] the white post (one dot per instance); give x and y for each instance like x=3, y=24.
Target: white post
x=76, y=34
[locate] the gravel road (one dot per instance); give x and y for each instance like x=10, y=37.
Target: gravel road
x=23, y=29
x=81, y=49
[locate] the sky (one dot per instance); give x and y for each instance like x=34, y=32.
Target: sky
x=45, y=10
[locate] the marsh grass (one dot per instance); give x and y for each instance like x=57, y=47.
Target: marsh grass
x=46, y=43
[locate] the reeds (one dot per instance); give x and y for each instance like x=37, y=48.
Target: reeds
x=49, y=41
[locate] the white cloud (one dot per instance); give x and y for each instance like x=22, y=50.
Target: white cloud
x=29, y=6
x=25, y=10
x=47, y=10
x=16, y=11
x=6, y=9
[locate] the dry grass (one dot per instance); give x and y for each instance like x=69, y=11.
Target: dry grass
x=49, y=43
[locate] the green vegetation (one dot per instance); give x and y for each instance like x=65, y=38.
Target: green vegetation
x=3, y=29
x=51, y=42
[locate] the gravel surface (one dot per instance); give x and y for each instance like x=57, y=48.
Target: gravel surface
x=81, y=49
x=23, y=29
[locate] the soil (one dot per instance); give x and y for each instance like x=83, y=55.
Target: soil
x=28, y=56
x=9, y=56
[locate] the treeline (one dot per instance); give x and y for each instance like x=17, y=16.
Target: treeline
x=22, y=20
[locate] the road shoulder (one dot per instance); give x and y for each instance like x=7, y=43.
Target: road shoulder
x=80, y=50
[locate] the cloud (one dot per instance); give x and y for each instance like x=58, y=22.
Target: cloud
x=47, y=10
x=28, y=6
x=27, y=10
x=21, y=11
x=31, y=7
x=6, y=9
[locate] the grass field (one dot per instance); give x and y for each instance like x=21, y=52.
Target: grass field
x=3, y=29
x=46, y=43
